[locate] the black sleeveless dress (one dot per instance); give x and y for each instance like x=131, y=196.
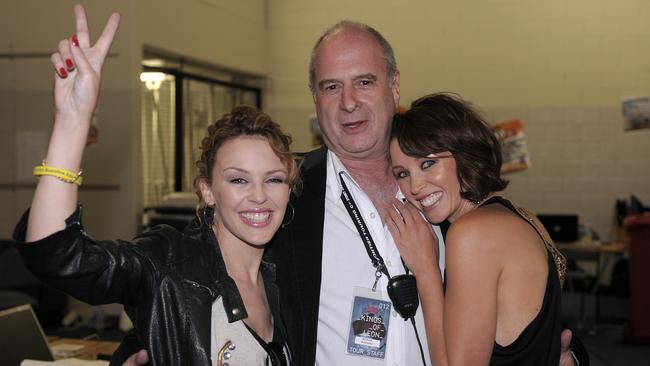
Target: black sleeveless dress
x=539, y=342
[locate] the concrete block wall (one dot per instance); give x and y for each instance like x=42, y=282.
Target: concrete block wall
x=559, y=66
x=223, y=33
x=32, y=30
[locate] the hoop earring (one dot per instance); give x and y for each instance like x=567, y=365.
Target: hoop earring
x=207, y=214
x=293, y=214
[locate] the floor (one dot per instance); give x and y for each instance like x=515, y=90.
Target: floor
x=604, y=341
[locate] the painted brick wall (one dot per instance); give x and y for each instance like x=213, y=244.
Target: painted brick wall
x=560, y=66
x=224, y=33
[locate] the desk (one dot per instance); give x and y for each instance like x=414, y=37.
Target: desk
x=580, y=247
x=604, y=255
x=92, y=348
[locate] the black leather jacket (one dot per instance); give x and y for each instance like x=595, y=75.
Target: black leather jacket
x=166, y=279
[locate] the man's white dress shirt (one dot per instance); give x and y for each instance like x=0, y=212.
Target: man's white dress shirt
x=345, y=265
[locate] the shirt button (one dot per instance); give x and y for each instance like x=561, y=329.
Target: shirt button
x=389, y=264
x=372, y=215
x=394, y=313
x=235, y=311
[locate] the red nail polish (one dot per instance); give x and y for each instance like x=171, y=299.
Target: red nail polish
x=69, y=64
x=75, y=41
x=63, y=73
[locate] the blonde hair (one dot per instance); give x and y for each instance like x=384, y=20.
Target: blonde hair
x=244, y=121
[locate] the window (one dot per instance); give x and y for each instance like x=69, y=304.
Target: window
x=179, y=101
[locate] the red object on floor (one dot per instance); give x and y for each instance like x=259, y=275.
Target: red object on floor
x=638, y=229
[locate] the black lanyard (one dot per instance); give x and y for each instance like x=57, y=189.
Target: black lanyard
x=402, y=289
x=364, y=233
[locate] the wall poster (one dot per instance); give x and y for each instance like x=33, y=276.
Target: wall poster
x=514, y=149
x=636, y=113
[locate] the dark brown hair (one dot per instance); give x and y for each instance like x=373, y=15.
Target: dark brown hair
x=444, y=122
x=244, y=121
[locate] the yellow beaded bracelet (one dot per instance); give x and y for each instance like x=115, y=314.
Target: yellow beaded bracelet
x=62, y=174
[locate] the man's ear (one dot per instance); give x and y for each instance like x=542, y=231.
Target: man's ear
x=206, y=192
x=313, y=92
x=395, y=89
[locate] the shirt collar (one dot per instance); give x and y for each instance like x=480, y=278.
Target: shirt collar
x=334, y=167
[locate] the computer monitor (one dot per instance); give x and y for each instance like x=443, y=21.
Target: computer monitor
x=636, y=206
x=562, y=228
x=21, y=337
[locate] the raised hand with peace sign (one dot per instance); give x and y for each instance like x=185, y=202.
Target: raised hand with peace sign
x=78, y=68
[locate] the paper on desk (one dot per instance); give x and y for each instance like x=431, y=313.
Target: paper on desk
x=66, y=350
x=65, y=362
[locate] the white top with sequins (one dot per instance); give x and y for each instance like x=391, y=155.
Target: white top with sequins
x=232, y=343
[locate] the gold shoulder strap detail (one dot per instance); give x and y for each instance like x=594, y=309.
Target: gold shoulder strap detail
x=558, y=257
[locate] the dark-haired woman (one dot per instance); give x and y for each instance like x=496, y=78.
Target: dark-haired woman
x=501, y=302
x=198, y=297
